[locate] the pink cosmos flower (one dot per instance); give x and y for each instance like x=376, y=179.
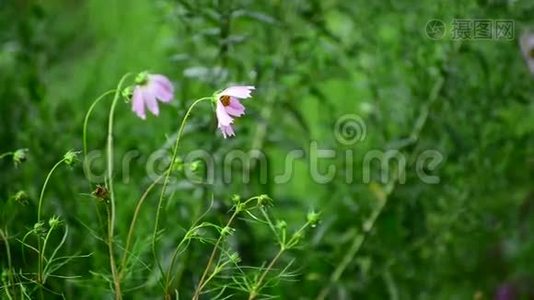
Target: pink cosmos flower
x=149, y=89
x=229, y=106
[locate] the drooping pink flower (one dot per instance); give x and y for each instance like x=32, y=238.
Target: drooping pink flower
x=229, y=107
x=148, y=90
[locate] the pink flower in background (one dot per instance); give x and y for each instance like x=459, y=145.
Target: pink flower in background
x=229, y=106
x=506, y=291
x=148, y=90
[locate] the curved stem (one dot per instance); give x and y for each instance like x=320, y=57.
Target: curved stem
x=254, y=293
x=283, y=247
x=132, y=224
x=187, y=237
x=167, y=174
x=86, y=119
x=218, y=268
x=41, y=196
x=8, y=282
x=42, y=255
x=4, y=237
x=202, y=283
x=39, y=208
x=5, y=154
x=8, y=250
x=168, y=280
x=111, y=215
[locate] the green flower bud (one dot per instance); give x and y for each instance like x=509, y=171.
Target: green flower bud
x=20, y=156
x=141, y=78
x=70, y=158
x=6, y=274
x=194, y=166
x=127, y=93
x=178, y=164
x=54, y=222
x=313, y=218
x=234, y=257
x=239, y=207
x=236, y=199
x=226, y=231
x=38, y=228
x=264, y=200
x=21, y=197
x=281, y=225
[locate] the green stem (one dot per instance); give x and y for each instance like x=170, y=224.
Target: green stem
x=283, y=247
x=254, y=293
x=167, y=174
x=41, y=196
x=132, y=224
x=86, y=119
x=5, y=154
x=218, y=268
x=201, y=283
x=39, y=208
x=42, y=254
x=8, y=250
x=111, y=215
x=9, y=264
x=188, y=235
x=168, y=280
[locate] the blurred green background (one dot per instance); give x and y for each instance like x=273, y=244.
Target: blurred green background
x=313, y=61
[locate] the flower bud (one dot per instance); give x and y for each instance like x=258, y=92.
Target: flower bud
x=234, y=257
x=226, y=231
x=281, y=225
x=54, y=222
x=194, y=166
x=38, y=228
x=239, y=207
x=313, y=218
x=70, y=158
x=141, y=78
x=263, y=200
x=236, y=199
x=6, y=274
x=127, y=93
x=20, y=156
x=178, y=164
x=21, y=197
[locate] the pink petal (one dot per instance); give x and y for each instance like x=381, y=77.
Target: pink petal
x=227, y=130
x=238, y=91
x=137, y=103
x=162, y=87
x=222, y=116
x=150, y=100
x=235, y=108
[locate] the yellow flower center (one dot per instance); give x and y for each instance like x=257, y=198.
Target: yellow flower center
x=225, y=100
